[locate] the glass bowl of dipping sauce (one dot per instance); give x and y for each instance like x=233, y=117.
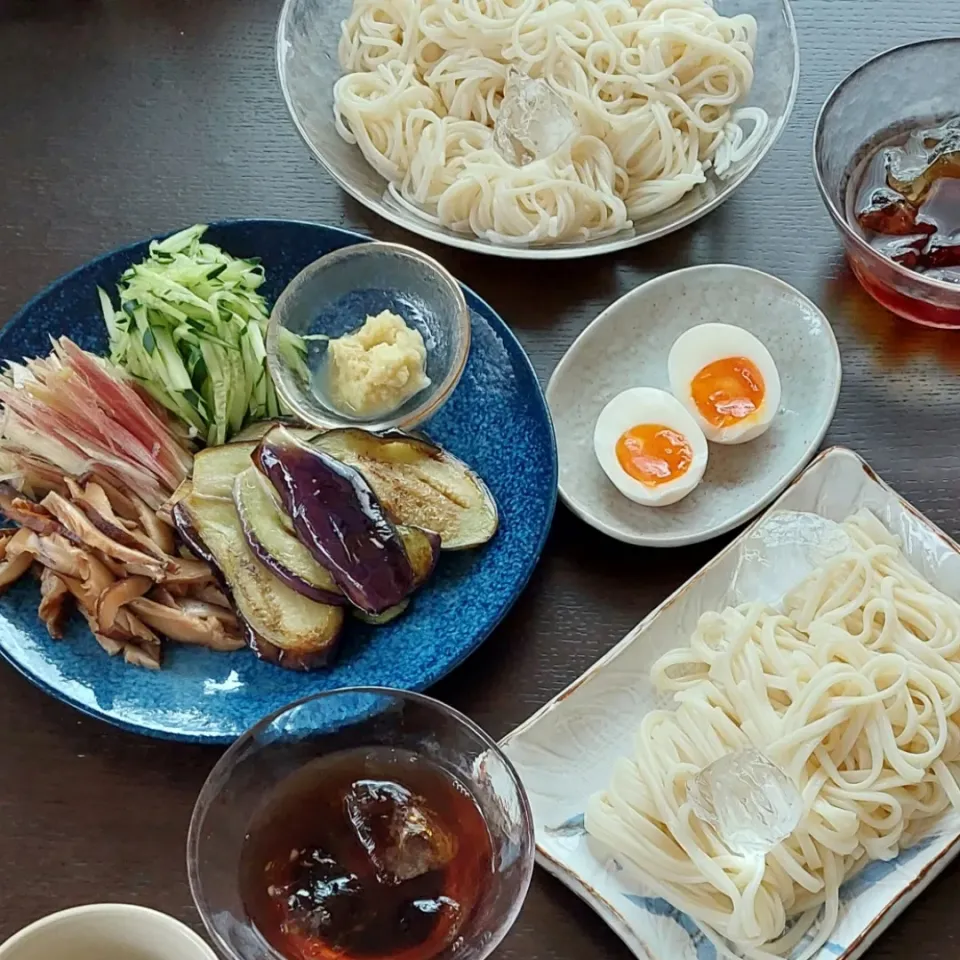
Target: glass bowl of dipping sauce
x=361, y=824
x=412, y=337
x=877, y=108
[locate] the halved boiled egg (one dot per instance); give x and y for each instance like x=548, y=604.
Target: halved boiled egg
x=727, y=379
x=650, y=447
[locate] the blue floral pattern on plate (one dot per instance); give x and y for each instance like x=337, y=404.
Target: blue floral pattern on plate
x=675, y=935
x=202, y=696
x=700, y=947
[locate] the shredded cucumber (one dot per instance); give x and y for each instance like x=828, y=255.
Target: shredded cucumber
x=191, y=328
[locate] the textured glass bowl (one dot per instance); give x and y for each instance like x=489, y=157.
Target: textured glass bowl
x=307, y=38
x=284, y=742
x=335, y=294
x=908, y=85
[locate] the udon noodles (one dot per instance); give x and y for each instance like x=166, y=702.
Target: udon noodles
x=653, y=85
x=853, y=691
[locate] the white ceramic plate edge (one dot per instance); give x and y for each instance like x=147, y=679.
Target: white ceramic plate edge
x=665, y=540
x=898, y=901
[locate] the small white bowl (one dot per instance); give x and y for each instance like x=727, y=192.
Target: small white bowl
x=106, y=931
x=627, y=346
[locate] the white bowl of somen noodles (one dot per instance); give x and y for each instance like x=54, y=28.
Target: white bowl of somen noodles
x=539, y=128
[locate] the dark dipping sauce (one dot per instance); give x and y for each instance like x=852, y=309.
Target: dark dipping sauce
x=365, y=853
x=905, y=199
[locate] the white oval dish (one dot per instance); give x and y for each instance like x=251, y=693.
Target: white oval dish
x=627, y=346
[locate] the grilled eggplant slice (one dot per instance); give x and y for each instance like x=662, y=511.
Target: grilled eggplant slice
x=282, y=626
x=270, y=535
x=381, y=619
x=418, y=483
x=339, y=519
x=260, y=428
x=423, y=551
x=216, y=468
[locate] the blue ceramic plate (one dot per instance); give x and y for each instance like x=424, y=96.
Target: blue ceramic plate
x=496, y=420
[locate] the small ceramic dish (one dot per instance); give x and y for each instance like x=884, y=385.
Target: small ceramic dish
x=106, y=931
x=627, y=346
x=566, y=751
x=335, y=294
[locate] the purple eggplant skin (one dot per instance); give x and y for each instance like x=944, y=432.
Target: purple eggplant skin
x=298, y=660
x=339, y=519
x=188, y=534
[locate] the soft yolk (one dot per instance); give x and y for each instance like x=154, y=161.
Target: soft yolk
x=654, y=454
x=726, y=391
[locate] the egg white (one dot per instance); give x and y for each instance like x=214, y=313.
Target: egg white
x=639, y=406
x=702, y=345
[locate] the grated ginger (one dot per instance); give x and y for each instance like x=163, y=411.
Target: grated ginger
x=376, y=369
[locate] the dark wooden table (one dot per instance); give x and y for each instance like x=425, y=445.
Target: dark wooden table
x=123, y=118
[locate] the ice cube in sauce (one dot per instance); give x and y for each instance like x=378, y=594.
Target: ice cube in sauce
x=402, y=836
x=907, y=201
x=886, y=211
x=926, y=157
x=366, y=853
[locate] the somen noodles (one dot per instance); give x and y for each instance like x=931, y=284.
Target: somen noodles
x=650, y=87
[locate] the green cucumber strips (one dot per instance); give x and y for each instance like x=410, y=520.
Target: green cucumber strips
x=190, y=328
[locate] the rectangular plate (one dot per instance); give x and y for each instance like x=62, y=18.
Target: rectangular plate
x=565, y=752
